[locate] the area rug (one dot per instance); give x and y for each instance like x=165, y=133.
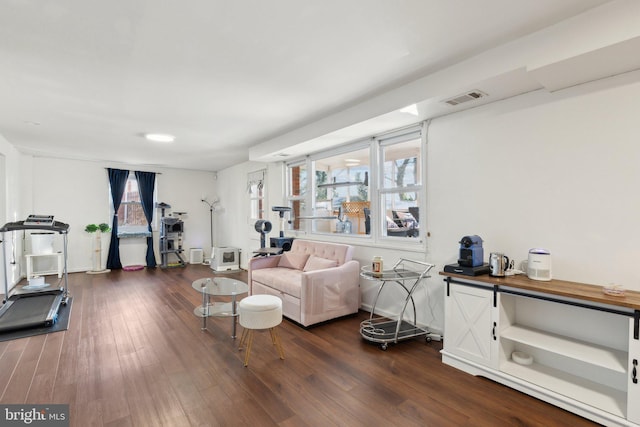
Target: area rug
x=64, y=313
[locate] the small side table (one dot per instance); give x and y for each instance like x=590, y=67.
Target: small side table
x=407, y=274
x=219, y=287
x=29, y=265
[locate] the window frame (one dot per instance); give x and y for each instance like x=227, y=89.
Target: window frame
x=376, y=190
x=257, y=178
x=389, y=140
x=127, y=231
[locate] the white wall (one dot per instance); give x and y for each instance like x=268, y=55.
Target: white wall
x=77, y=192
x=557, y=171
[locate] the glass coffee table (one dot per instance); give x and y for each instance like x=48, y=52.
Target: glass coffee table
x=219, y=287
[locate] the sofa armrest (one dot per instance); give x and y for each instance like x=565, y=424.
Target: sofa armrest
x=330, y=292
x=260, y=263
x=264, y=262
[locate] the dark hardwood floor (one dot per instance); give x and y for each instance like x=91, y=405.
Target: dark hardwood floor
x=134, y=355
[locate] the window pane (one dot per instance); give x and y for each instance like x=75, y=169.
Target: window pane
x=344, y=177
x=256, y=189
x=402, y=214
x=298, y=208
x=130, y=213
x=297, y=180
x=257, y=209
x=257, y=194
x=342, y=186
x=402, y=164
x=297, y=189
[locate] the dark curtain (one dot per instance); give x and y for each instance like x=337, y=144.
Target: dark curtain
x=117, y=182
x=146, y=184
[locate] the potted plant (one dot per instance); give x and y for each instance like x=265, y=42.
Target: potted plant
x=97, y=231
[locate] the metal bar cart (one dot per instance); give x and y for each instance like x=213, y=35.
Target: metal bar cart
x=408, y=274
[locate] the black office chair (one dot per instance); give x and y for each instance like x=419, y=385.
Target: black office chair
x=415, y=212
x=367, y=220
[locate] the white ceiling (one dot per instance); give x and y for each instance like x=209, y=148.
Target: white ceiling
x=85, y=78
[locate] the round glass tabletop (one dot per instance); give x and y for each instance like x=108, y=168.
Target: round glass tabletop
x=222, y=286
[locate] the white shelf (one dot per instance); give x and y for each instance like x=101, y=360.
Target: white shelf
x=597, y=395
x=593, y=354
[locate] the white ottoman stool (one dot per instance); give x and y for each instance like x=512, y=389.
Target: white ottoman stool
x=260, y=312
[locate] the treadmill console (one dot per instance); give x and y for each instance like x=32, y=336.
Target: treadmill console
x=39, y=220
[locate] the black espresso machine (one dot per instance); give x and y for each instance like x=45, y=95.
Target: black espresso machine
x=470, y=259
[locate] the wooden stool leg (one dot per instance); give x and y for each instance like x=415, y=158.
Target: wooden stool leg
x=249, y=342
x=273, y=337
x=276, y=341
x=243, y=338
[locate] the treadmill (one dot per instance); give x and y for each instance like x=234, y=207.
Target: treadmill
x=26, y=307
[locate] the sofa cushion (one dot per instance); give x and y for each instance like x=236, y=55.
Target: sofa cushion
x=339, y=252
x=295, y=260
x=317, y=263
x=287, y=280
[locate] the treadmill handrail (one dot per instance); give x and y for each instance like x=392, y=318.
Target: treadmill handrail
x=57, y=226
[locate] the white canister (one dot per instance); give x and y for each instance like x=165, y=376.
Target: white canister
x=539, y=264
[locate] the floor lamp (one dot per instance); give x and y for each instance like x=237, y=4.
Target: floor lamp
x=211, y=209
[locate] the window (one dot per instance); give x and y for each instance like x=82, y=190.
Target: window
x=131, y=219
x=257, y=198
x=296, y=192
x=400, y=161
x=342, y=192
x=369, y=189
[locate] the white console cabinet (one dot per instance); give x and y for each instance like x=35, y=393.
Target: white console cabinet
x=583, y=344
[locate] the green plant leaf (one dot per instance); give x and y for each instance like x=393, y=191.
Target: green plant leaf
x=91, y=228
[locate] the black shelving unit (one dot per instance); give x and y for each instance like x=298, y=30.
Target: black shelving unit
x=171, y=242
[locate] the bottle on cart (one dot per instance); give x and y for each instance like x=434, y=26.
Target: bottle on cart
x=376, y=266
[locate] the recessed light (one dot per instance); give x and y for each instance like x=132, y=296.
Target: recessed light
x=159, y=137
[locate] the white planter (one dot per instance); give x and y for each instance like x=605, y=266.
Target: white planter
x=98, y=247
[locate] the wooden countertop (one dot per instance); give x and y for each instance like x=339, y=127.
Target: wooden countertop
x=594, y=293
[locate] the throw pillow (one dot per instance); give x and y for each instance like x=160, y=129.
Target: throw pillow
x=293, y=260
x=317, y=263
x=391, y=223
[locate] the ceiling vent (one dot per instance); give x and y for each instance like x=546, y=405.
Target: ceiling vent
x=469, y=96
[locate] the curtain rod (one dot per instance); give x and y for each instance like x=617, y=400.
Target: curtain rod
x=157, y=173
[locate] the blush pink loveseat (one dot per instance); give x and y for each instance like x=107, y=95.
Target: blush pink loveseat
x=317, y=281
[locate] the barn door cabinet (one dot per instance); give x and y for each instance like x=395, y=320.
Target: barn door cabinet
x=471, y=321
x=574, y=346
